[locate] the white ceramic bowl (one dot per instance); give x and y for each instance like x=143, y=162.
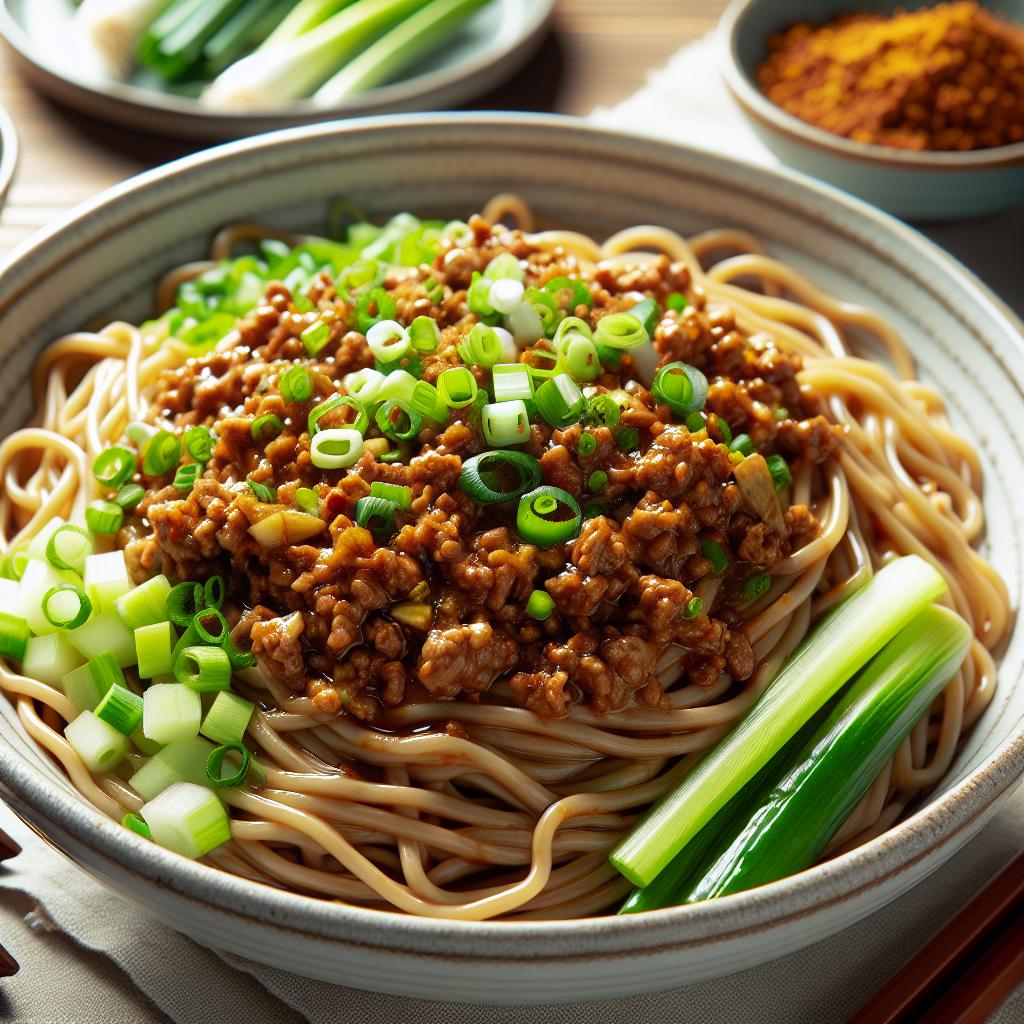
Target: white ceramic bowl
x=106, y=256
x=8, y=154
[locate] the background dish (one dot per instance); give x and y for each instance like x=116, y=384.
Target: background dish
x=920, y=186
x=600, y=181
x=494, y=44
x=8, y=153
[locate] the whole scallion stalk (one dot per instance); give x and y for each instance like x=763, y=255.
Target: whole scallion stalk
x=296, y=67
x=305, y=16
x=115, y=28
x=398, y=49
x=173, y=43
x=242, y=33
x=836, y=649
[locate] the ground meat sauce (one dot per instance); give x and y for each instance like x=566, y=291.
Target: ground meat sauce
x=328, y=613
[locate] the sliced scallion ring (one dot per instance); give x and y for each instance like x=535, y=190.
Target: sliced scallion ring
x=398, y=420
x=215, y=766
x=620, y=331
x=66, y=606
x=361, y=419
x=336, y=449
x=484, y=475
x=68, y=547
x=683, y=388
x=542, y=517
x=114, y=467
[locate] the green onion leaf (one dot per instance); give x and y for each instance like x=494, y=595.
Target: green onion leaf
x=215, y=766
x=694, y=607
x=315, y=337
x=587, y=445
x=104, y=517
x=781, y=476
x=540, y=605
x=199, y=443
x=683, y=388
x=183, y=602
x=399, y=494
x=114, y=467
x=121, y=709
x=129, y=496
x=86, y=685
x=648, y=312
x=135, y=824
x=628, y=439
x=361, y=421
x=66, y=606
x=756, y=586
x=620, y=331
x=185, y=477
x=264, y=492
x=597, y=480
x=265, y=428
x=677, y=302
x=308, y=500
x=481, y=347
x=483, y=475
x=743, y=444
x=541, y=517
x=388, y=340
x=715, y=554
x=161, y=453
x=214, y=592
x=295, y=385
x=560, y=401
x=398, y=421
x=14, y=634
x=604, y=411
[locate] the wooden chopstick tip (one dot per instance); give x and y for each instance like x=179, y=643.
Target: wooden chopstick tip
x=8, y=847
x=8, y=965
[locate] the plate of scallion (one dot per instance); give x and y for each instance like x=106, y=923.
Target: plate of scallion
x=223, y=68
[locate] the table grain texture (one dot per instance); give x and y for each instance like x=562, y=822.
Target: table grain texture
x=598, y=51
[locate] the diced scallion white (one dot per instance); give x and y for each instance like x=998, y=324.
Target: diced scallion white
x=98, y=744
x=182, y=760
x=154, y=645
x=145, y=604
x=228, y=718
x=187, y=818
x=36, y=581
x=105, y=632
x=86, y=685
x=106, y=579
x=50, y=658
x=171, y=712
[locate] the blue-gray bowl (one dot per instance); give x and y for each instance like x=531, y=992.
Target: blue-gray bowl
x=916, y=185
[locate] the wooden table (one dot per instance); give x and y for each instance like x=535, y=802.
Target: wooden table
x=599, y=51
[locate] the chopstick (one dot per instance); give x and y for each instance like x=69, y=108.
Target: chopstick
x=8, y=849
x=968, y=969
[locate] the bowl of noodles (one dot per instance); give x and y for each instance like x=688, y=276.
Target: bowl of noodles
x=431, y=544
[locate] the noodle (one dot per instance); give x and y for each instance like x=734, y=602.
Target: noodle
x=513, y=815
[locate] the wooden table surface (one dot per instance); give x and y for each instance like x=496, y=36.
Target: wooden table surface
x=598, y=51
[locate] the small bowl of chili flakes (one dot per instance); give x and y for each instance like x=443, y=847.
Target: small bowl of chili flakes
x=918, y=109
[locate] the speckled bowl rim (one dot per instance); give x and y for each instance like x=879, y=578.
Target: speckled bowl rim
x=10, y=151
x=895, y=853
x=757, y=106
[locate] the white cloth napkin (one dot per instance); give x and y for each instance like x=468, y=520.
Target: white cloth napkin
x=88, y=958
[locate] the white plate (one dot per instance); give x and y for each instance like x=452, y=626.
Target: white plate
x=104, y=258
x=492, y=46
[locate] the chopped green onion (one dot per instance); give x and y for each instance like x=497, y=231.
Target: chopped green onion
x=215, y=766
x=505, y=423
x=185, y=477
x=214, y=592
x=481, y=347
x=378, y=516
x=620, y=331
x=597, y=480
x=677, y=302
x=512, y=381
x=171, y=711
x=505, y=267
x=337, y=448
x=228, y=718
x=161, y=453
x=360, y=423
x=203, y=669
x=478, y=296
x=188, y=819
x=153, y=649
x=506, y=294
x=104, y=517
x=199, y=443
x=67, y=548
x=540, y=605
x=388, y=340
x=86, y=685
x=579, y=293
x=398, y=493
x=836, y=649
x=105, y=633
x=756, y=586
x=100, y=746
x=202, y=622
x=372, y=307
x=129, y=496
x=457, y=387
x=715, y=554
x=724, y=430
x=295, y=385
x=628, y=439
x=315, y=337
x=426, y=400
x=114, y=467
x=48, y=658
x=604, y=411
x=264, y=492
x=579, y=354
x=183, y=602
x=364, y=385
x=780, y=473
x=139, y=433
x=525, y=323
x=265, y=428
x=571, y=325
x=587, y=444
x=694, y=607
x=106, y=578
x=121, y=709
x=483, y=474
x=424, y=334
x=743, y=444
x=696, y=422
x=14, y=634
x=397, y=384
x=533, y=517
x=308, y=500
x=648, y=312
x=398, y=421
x=560, y=401
x=683, y=388
x=135, y=824
x=66, y=606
